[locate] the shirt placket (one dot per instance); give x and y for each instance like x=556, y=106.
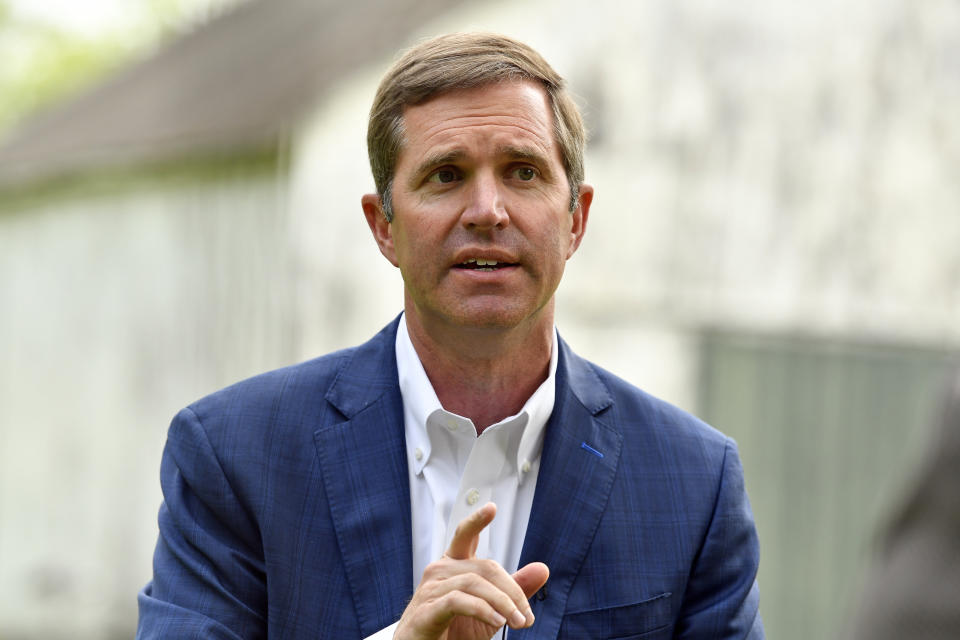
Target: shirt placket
x=484, y=466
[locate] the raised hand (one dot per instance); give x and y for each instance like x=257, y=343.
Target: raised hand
x=462, y=597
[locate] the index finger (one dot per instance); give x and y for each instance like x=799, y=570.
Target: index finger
x=465, y=538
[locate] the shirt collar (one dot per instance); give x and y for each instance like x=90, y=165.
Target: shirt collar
x=420, y=402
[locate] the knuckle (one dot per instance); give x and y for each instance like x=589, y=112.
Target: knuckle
x=474, y=608
x=430, y=571
x=490, y=567
x=437, y=569
x=473, y=581
x=447, y=601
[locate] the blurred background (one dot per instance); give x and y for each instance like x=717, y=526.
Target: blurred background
x=774, y=245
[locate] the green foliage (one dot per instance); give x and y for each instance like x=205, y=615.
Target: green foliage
x=42, y=64
x=54, y=66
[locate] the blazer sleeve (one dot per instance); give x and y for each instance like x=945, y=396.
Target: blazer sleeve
x=722, y=598
x=208, y=569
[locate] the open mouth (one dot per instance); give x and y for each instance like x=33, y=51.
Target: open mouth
x=477, y=264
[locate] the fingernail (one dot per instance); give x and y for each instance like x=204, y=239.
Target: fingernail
x=517, y=619
x=530, y=618
x=498, y=620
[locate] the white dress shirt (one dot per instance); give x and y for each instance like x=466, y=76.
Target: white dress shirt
x=453, y=472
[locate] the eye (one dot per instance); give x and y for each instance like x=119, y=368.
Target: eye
x=525, y=174
x=444, y=176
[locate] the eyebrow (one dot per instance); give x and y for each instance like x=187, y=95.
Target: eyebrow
x=522, y=153
x=433, y=161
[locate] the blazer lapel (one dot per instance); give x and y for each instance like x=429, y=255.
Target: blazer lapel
x=364, y=467
x=577, y=469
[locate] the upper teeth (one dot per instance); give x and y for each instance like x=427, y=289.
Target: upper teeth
x=482, y=263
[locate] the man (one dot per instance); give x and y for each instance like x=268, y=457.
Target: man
x=463, y=472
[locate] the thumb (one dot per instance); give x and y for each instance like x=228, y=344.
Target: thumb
x=532, y=577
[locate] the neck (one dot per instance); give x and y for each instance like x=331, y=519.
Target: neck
x=481, y=373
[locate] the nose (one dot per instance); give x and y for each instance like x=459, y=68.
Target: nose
x=485, y=209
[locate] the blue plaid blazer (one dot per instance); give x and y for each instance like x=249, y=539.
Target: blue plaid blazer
x=286, y=512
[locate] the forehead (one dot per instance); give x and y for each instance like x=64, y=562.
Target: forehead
x=512, y=112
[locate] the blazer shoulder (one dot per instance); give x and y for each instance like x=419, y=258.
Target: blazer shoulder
x=341, y=379
x=264, y=426
x=266, y=389
x=641, y=416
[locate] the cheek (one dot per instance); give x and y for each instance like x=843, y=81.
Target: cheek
x=563, y=240
x=415, y=245
x=401, y=245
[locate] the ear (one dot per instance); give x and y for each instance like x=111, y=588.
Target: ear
x=580, y=215
x=379, y=227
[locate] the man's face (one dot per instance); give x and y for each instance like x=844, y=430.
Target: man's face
x=482, y=227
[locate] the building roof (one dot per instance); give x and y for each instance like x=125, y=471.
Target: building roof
x=235, y=84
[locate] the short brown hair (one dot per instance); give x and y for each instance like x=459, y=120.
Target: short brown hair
x=463, y=61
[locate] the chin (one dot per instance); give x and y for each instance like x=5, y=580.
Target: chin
x=496, y=318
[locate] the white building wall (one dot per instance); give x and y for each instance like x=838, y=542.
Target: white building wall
x=346, y=290
x=118, y=309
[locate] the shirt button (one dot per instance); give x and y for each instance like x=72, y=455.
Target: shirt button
x=472, y=496
x=525, y=467
x=452, y=426
x=418, y=454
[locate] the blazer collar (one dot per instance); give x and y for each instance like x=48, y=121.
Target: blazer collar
x=579, y=376
x=370, y=373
